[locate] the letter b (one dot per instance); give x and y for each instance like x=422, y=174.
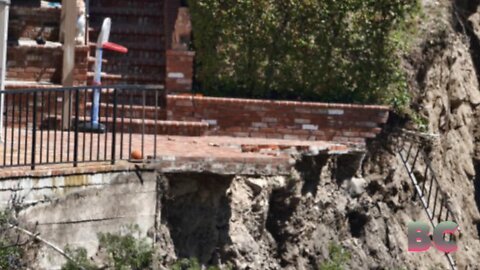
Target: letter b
x=418, y=237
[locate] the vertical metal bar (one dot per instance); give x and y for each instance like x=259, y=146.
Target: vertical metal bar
x=415, y=159
x=123, y=125
x=34, y=130
x=13, y=129
x=19, y=143
x=91, y=133
x=62, y=121
x=130, y=126
x=425, y=175
x=69, y=130
x=55, y=111
x=435, y=202
x=143, y=122
x=430, y=191
x=26, y=129
x=6, y=130
x=156, y=126
x=84, y=120
x=107, y=108
x=75, y=144
x=446, y=217
x=99, y=119
x=49, y=109
x=41, y=129
x=442, y=202
x=114, y=125
x=408, y=152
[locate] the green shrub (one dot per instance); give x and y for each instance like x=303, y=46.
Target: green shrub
x=10, y=251
x=125, y=251
x=80, y=260
x=193, y=264
x=339, y=257
x=326, y=50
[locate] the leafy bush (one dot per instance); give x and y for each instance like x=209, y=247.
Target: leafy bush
x=339, y=257
x=80, y=260
x=193, y=264
x=302, y=49
x=124, y=251
x=10, y=250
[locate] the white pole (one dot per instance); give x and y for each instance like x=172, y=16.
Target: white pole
x=4, y=11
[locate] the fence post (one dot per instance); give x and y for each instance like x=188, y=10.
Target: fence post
x=77, y=111
x=114, y=125
x=34, y=130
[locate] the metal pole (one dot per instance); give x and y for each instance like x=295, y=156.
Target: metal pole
x=69, y=10
x=4, y=11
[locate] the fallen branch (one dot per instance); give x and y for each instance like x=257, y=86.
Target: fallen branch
x=37, y=237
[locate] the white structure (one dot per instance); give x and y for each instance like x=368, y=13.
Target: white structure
x=4, y=11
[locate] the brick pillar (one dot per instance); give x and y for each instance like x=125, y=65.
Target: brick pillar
x=180, y=60
x=179, y=71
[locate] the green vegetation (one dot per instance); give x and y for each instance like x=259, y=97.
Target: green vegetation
x=124, y=251
x=346, y=51
x=80, y=260
x=193, y=264
x=10, y=250
x=339, y=257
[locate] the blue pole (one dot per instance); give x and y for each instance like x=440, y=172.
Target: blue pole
x=96, y=91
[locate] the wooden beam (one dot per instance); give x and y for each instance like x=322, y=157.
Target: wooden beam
x=69, y=21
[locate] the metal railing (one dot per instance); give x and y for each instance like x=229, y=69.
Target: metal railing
x=427, y=187
x=54, y=126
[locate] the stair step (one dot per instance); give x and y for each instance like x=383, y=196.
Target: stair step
x=147, y=126
x=128, y=29
x=135, y=111
x=136, y=61
x=92, y=59
x=106, y=76
x=131, y=11
x=18, y=85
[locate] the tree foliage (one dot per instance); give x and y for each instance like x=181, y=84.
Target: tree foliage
x=328, y=50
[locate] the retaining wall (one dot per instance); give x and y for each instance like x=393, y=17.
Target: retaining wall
x=280, y=119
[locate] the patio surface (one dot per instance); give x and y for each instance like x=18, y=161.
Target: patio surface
x=54, y=152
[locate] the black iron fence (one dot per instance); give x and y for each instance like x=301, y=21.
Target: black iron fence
x=56, y=126
x=427, y=187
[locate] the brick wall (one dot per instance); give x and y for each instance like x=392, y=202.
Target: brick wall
x=40, y=63
x=280, y=119
x=29, y=22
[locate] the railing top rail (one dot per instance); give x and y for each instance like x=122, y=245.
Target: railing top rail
x=73, y=88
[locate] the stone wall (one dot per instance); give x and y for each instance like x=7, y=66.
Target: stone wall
x=280, y=119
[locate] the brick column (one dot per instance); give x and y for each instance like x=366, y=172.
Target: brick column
x=180, y=60
x=179, y=71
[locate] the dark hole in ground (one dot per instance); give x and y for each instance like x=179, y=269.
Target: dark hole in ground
x=374, y=187
x=197, y=211
x=310, y=169
x=282, y=207
x=357, y=223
